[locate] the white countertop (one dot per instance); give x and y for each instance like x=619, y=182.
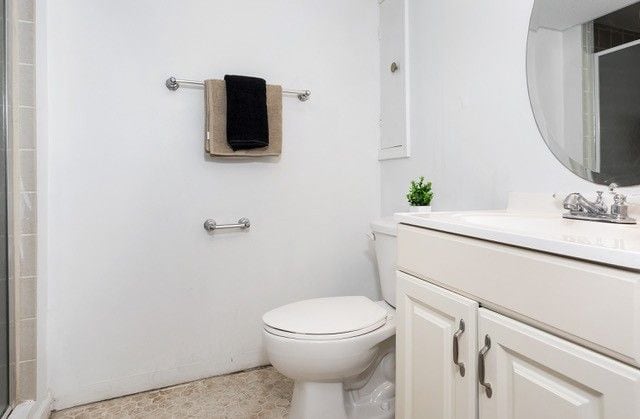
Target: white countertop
x=611, y=244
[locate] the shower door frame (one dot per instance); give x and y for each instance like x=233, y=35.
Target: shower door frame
x=4, y=96
x=596, y=93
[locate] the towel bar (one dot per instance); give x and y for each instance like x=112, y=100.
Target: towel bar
x=173, y=84
x=211, y=225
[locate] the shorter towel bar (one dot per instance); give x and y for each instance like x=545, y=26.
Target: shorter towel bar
x=211, y=225
x=173, y=84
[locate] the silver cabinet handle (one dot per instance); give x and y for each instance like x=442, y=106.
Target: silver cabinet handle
x=481, y=367
x=393, y=67
x=456, y=348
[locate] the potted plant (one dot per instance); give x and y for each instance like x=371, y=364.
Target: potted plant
x=420, y=196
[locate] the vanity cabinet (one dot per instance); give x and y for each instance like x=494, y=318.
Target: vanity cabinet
x=511, y=370
x=519, y=362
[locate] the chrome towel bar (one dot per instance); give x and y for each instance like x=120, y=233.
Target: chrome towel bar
x=211, y=225
x=173, y=84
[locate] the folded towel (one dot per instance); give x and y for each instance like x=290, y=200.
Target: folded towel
x=216, y=122
x=247, y=124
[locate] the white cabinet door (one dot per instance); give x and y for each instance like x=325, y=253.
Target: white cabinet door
x=393, y=79
x=429, y=384
x=535, y=375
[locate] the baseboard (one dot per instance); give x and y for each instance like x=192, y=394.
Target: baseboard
x=42, y=408
x=124, y=386
x=32, y=409
x=7, y=412
x=22, y=410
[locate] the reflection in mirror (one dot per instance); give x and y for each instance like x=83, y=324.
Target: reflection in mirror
x=582, y=66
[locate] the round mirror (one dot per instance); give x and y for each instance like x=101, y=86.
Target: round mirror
x=583, y=61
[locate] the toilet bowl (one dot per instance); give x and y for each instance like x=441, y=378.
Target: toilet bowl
x=340, y=351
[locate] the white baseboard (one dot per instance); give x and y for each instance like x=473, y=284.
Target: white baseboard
x=22, y=410
x=32, y=409
x=151, y=380
x=7, y=412
x=42, y=408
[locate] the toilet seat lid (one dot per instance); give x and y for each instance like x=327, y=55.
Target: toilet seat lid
x=327, y=316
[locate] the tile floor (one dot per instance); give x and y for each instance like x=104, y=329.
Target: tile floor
x=258, y=393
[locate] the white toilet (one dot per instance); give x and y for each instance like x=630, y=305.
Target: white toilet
x=340, y=351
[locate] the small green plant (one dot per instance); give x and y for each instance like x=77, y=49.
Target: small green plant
x=420, y=194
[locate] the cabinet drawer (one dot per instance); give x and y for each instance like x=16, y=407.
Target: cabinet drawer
x=594, y=305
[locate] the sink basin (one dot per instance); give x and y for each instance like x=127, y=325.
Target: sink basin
x=612, y=244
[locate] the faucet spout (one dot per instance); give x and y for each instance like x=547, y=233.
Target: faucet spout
x=575, y=202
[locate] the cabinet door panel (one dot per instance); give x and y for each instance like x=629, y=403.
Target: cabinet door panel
x=429, y=384
x=536, y=375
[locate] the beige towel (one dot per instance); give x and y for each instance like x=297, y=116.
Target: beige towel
x=215, y=96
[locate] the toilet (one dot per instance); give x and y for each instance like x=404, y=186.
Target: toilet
x=340, y=351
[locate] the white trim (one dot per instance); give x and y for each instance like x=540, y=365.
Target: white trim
x=41, y=409
x=22, y=410
x=397, y=152
x=596, y=112
x=153, y=380
x=618, y=48
x=596, y=93
x=31, y=409
x=407, y=82
x=402, y=150
x=7, y=412
x=42, y=156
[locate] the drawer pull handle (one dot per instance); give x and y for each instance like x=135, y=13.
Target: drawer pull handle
x=456, y=348
x=481, y=367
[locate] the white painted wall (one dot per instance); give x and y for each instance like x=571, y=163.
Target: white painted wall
x=546, y=60
x=573, y=92
x=139, y=296
x=472, y=129
x=555, y=60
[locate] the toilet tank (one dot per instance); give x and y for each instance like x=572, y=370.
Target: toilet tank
x=385, y=231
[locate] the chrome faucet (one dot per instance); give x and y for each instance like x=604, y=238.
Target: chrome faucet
x=577, y=203
x=580, y=208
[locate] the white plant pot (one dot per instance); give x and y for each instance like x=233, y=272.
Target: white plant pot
x=420, y=209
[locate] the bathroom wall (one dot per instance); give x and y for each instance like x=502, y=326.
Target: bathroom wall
x=573, y=92
x=556, y=57
x=139, y=295
x=547, y=58
x=473, y=131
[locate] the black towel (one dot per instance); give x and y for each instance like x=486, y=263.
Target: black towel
x=247, y=121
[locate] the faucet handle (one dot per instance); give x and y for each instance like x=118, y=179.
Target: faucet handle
x=619, y=198
x=619, y=209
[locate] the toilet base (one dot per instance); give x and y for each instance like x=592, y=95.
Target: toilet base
x=369, y=396
x=327, y=400
x=317, y=401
